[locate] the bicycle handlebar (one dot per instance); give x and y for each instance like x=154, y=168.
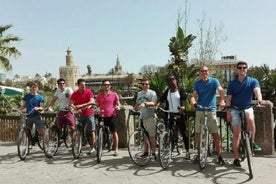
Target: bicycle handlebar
x=25, y=113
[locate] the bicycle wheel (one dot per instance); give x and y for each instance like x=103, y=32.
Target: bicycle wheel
x=40, y=140
x=242, y=150
x=165, y=150
x=179, y=144
x=77, y=142
x=23, y=142
x=211, y=149
x=67, y=137
x=51, y=141
x=249, y=155
x=110, y=141
x=136, y=148
x=203, y=147
x=100, y=144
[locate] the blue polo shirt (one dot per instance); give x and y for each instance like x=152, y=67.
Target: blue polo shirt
x=242, y=92
x=207, y=93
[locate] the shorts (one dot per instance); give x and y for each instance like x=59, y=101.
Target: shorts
x=212, y=121
x=111, y=122
x=236, y=120
x=37, y=120
x=89, y=120
x=150, y=126
x=65, y=117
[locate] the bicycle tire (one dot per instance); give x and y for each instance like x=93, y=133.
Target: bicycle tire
x=242, y=149
x=40, y=139
x=180, y=143
x=136, y=148
x=67, y=137
x=110, y=142
x=99, y=145
x=203, y=147
x=249, y=156
x=77, y=142
x=165, y=150
x=23, y=142
x=51, y=141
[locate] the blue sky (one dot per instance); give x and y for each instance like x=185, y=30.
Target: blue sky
x=138, y=31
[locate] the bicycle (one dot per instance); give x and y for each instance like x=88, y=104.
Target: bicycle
x=245, y=146
x=57, y=137
x=204, y=143
x=104, y=137
x=169, y=140
x=138, y=140
x=80, y=137
x=26, y=138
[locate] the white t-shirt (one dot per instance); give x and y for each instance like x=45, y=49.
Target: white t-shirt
x=174, y=101
x=64, y=97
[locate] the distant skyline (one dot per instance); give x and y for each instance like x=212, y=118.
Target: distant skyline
x=138, y=32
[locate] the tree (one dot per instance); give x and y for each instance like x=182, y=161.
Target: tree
x=267, y=80
x=178, y=47
x=210, y=38
x=6, y=50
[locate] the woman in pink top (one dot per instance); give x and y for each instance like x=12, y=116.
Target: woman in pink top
x=108, y=101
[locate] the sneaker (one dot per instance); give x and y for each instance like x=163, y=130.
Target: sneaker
x=145, y=154
x=220, y=160
x=256, y=147
x=187, y=156
x=92, y=151
x=115, y=154
x=237, y=163
x=196, y=159
x=153, y=158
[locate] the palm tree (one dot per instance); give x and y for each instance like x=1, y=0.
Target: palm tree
x=178, y=47
x=6, y=50
x=267, y=81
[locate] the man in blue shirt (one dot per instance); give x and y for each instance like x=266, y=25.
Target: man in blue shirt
x=205, y=92
x=34, y=102
x=239, y=96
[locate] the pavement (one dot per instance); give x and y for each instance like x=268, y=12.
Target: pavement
x=121, y=170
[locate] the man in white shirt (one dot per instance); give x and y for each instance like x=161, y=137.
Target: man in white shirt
x=63, y=94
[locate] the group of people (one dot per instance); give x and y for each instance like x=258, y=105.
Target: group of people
x=81, y=100
x=240, y=92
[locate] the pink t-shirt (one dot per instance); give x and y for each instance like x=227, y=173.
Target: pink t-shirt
x=81, y=98
x=107, y=103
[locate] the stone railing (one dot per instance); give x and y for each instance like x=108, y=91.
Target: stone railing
x=9, y=127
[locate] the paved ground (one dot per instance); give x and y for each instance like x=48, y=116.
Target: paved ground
x=120, y=170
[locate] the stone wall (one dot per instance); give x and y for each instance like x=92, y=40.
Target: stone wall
x=264, y=121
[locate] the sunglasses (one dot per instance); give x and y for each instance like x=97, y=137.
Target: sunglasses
x=145, y=84
x=202, y=71
x=244, y=67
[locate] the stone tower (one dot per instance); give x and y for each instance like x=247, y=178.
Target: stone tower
x=70, y=72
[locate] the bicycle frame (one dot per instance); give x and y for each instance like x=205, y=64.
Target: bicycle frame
x=25, y=137
x=167, y=140
x=204, y=138
x=245, y=146
x=104, y=137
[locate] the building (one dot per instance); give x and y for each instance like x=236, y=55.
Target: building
x=70, y=72
x=226, y=66
x=125, y=82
